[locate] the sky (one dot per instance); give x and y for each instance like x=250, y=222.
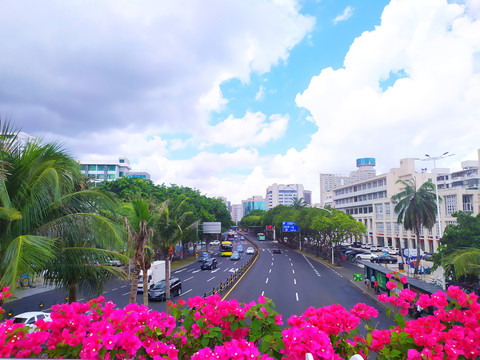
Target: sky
x=231, y=96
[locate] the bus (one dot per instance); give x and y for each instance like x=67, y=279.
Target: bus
x=261, y=236
x=230, y=236
x=226, y=248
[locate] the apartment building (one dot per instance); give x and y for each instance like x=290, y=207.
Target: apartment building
x=328, y=182
x=368, y=201
x=281, y=194
x=236, y=212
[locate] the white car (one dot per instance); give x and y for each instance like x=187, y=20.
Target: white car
x=385, y=250
x=374, y=248
x=214, y=242
x=30, y=318
x=365, y=256
x=250, y=251
x=392, y=251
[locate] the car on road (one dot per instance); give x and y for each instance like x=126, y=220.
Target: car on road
x=214, y=242
x=250, y=251
x=385, y=259
x=374, y=248
x=204, y=256
x=365, y=256
x=242, y=238
x=209, y=264
x=157, y=292
x=30, y=318
x=277, y=250
x=393, y=251
x=235, y=256
x=240, y=248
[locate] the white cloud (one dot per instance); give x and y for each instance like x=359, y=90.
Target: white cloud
x=253, y=129
x=347, y=14
x=260, y=94
x=434, y=109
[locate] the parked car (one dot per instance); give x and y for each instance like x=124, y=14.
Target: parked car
x=385, y=259
x=250, y=251
x=214, y=242
x=157, y=292
x=204, y=256
x=365, y=256
x=357, y=244
x=240, y=248
x=115, y=262
x=235, y=256
x=209, y=264
x=30, y=318
x=393, y=251
x=353, y=252
x=277, y=250
x=384, y=250
x=374, y=248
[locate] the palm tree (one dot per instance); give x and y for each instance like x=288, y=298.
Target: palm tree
x=141, y=217
x=416, y=208
x=299, y=203
x=462, y=261
x=170, y=230
x=42, y=210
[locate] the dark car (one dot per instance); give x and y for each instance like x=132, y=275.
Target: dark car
x=209, y=264
x=385, y=259
x=235, y=256
x=277, y=250
x=157, y=292
x=205, y=255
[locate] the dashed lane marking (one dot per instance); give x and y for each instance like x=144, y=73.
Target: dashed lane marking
x=211, y=279
x=296, y=294
x=266, y=282
x=311, y=265
x=190, y=278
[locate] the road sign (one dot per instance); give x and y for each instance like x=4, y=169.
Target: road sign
x=357, y=277
x=290, y=226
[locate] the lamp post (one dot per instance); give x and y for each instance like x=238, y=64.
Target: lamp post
x=439, y=219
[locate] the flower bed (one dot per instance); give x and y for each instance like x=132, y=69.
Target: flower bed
x=214, y=329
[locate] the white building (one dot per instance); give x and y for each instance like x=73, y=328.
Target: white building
x=368, y=201
x=328, y=182
x=236, y=212
x=280, y=194
x=100, y=170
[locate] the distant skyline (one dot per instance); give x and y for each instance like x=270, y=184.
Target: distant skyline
x=229, y=97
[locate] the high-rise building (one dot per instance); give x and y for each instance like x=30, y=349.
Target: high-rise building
x=280, y=194
x=328, y=182
x=256, y=202
x=236, y=212
x=369, y=201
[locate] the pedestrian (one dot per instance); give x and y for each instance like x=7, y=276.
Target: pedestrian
x=375, y=286
x=372, y=280
x=367, y=283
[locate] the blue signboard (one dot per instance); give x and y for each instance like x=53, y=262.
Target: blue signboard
x=290, y=226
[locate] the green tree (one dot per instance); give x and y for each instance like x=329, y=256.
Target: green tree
x=170, y=230
x=416, y=208
x=43, y=210
x=299, y=203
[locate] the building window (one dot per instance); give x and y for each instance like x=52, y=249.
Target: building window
x=389, y=228
x=450, y=204
x=100, y=167
x=100, y=176
x=82, y=167
x=112, y=167
x=379, y=226
x=111, y=177
x=92, y=167
x=467, y=201
x=379, y=211
x=121, y=173
x=122, y=161
x=387, y=210
x=396, y=228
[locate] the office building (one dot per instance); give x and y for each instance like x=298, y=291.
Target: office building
x=256, y=202
x=280, y=194
x=368, y=201
x=236, y=212
x=101, y=170
x=328, y=182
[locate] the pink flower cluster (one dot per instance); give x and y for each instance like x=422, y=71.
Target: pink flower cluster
x=214, y=329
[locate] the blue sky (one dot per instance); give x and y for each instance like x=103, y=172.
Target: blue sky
x=233, y=96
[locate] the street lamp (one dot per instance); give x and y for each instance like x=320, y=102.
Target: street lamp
x=435, y=158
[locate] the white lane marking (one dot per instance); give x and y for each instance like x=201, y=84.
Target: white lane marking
x=190, y=278
x=225, y=270
x=266, y=282
x=186, y=292
x=296, y=294
x=291, y=264
x=293, y=271
x=262, y=292
x=211, y=279
x=125, y=294
x=269, y=271
x=311, y=265
x=179, y=271
x=194, y=272
x=80, y=299
x=124, y=286
x=214, y=271
x=114, y=289
x=272, y=264
x=295, y=281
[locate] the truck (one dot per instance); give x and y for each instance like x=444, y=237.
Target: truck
x=155, y=274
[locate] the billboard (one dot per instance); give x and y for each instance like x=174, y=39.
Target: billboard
x=212, y=227
x=289, y=226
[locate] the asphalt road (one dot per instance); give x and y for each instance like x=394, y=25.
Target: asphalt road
x=293, y=281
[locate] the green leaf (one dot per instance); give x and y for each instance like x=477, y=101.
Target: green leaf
x=389, y=311
x=400, y=320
